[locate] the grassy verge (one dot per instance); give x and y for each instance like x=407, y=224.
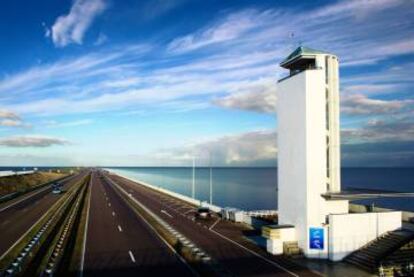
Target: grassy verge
x=25, y=185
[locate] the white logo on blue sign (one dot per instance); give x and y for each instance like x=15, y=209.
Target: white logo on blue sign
x=316, y=238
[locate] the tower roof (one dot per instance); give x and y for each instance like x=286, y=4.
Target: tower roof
x=300, y=51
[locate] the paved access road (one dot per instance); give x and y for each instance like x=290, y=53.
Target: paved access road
x=17, y=216
x=234, y=257
x=120, y=243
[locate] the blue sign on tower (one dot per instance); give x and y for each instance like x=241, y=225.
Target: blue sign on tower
x=316, y=238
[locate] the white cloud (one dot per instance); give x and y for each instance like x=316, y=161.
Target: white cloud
x=9, y=114
x=355, y=8
x=230, y=28
x=31, y=141
x=75, y=123
x=102, y=38
x=359, y=104
x=11, y=119
x=257, y=97
x=253, y=148
x=125, y=77
x=72, y=27
x=390, y=130
x=11, y=123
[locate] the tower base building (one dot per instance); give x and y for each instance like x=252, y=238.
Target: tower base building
x=309, y=165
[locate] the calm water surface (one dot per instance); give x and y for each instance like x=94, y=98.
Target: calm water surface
x=256, y=188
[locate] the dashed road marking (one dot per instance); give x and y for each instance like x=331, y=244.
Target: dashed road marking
x=166, y=213
x=188, y=211
x=214, y=224
x=131, y=256
x=256, y=254
x=113, y=213
x=119, y=228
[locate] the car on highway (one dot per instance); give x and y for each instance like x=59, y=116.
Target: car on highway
x=56, y=188
x=203, y=212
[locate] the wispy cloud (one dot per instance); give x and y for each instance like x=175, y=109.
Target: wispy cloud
x=9, y=115
x=394, y=129
x=359, y=104
x=130, y=77
x=256, y=97
x=71, y=28
x=250, y=148
x=11, y=123
x=31, y=141
x=75, y=123
x=230, y=28
x=231, y=62
x=11, y=119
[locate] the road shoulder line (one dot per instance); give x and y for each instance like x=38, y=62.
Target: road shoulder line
x=85, y=235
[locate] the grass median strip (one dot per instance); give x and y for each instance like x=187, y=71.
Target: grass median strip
x=76, y=261
x=60, y=251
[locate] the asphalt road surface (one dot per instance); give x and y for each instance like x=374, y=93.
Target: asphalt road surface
x=18, y=216
x=120, y=243
x=234, y=257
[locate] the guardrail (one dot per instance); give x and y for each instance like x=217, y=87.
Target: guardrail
x=261, y=213
x=52, y=262
x=181, y=245
x=7, y=173
x=22, y=257
x=185, y=198
x=13, y=195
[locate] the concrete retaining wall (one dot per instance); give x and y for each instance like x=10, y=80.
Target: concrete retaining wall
x=358, y=208
x=185, y=198
x=13, y=173
x=349, y=232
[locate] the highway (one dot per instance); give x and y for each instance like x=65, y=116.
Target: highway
x=18, y=215
x=120, y=243
x=238, y=259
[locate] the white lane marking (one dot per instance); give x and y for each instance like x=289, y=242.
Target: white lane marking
x=166, y=213
x=40, y=190
x=215, y=223
x=113, y=213
x=119, y=228
x=21, y=200
x=153, y=229
x=25, y=234
x=109, y=204
x=86, y=227
x=256, y=254
x=131, y=256
x=191, y=210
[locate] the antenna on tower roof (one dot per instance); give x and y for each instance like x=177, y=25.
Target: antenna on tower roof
x=293, y=42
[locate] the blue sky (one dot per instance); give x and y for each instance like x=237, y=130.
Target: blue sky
x=104, y=82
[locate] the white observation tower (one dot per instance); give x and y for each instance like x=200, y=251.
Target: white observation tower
x=309, y=164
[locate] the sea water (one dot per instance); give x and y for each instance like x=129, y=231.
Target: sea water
x=256, y=188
